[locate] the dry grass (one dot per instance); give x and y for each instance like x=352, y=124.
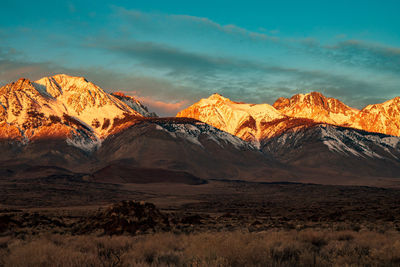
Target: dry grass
x=271, y=248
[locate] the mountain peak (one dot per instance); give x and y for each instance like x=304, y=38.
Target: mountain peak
x=75, y=81
x=19, y=85
x=22, y=80
x=393, y=101
x=315, y=106
x=59, y=83
x=316, y=94
x=314, y=97
x=237, y=118
x=63, y=76
x=380, y=118
x=218, y=97
x=72, y=102
x=310, y=98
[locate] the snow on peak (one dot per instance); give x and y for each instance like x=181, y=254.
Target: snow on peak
x=65, y=100
x=254, y=122
x=21, y=84
x=240, y=119
x=359, y=144
x=317, y=107
x=218, y=97
x=76, y=105
x=380, y=118
x=197, y=131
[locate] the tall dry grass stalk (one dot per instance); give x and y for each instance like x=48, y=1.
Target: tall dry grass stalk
x=271, y=248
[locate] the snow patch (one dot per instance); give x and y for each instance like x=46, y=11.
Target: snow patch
x=192, y=132
x=88, y=145
x=348, y=141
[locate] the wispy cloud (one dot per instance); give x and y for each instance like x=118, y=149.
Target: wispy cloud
x=13, y=70
x=362, y=54
x=159, y=95
x=244, y=79
x=349, y=53
x=162, y=107
x=192, y=76
x=167, y=60
x=356, y=53
x=229, y=28
x=154, y=55
x=135, y=15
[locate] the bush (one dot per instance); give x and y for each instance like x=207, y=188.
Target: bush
x=271, y=248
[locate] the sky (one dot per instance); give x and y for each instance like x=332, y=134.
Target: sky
x=170, y=54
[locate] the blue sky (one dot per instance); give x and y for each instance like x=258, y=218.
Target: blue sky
x=171, y=53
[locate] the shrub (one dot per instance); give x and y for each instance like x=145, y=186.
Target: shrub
x=271, y=248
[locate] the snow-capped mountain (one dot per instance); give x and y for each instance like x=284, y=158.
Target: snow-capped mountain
x=312, y=133
x=189, y=145
x=317, y=107
x=379, y=118
x=337, y=149
x=240, y=119
x=61, y=107
x=68, y=122
x=257, y=122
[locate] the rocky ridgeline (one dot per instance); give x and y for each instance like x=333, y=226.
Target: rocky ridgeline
x=255, y=122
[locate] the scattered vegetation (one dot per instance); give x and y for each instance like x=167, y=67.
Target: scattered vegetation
x=273, y=225
x=127, y=217
x=271, y=248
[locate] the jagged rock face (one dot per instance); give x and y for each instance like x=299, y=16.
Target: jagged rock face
x=317, y=136
x=279, y=126
x=11, y=132
x=380, y=118
x=259, y=122
x=27, y=113
x=317, y=107
x=68, y=122
x=85, y=101
x=134, y=103
x=242, y=120
x=57, y=116
x=60, y=107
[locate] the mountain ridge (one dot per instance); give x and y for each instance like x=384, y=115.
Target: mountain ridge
x=380, y=118
x=69, y=122
x=62, y=106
